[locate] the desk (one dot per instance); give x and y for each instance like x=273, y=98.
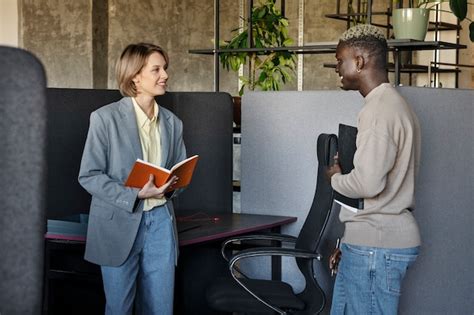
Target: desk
x=222, y=226
x=74, y=285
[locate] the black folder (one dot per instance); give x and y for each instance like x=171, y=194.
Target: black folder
x=346, y=147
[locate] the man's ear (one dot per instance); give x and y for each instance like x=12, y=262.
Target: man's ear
x=360, y=62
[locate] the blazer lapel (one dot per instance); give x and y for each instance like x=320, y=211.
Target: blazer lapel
x=130, y=124
x=165, y=128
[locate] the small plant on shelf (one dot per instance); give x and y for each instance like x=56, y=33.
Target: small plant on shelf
x=267, y=70
x=457, y=7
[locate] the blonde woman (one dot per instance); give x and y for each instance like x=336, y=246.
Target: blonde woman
x=132, y=232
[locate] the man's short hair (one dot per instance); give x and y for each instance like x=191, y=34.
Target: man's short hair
x=133, y=58
x=369, y=38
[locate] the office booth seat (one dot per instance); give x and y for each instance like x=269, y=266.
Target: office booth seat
x=239, y=293
x=22, y=181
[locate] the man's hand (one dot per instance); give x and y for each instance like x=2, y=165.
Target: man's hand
x=151, y=191
x=335, y=168
x=334, y=260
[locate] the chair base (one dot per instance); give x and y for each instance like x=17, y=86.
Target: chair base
x=227, y=295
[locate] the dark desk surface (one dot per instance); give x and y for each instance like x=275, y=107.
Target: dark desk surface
x=197, y=229
x=221, y=226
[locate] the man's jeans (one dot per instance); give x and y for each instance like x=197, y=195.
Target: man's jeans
x=148, y=271
x=369, y=279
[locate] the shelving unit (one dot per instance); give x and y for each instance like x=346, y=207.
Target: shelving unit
x=330, y=47
x=434, y=26
x=396, y=46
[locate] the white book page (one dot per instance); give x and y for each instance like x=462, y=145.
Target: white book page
x=355, y=210
x=154, y=166
x=182, y=162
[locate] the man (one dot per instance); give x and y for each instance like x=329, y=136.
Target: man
x=381, y=241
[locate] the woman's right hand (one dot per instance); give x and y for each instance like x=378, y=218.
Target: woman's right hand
x=151, y=191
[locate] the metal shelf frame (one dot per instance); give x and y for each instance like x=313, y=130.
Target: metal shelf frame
x=330, y=47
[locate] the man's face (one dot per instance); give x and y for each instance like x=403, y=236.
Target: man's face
x=346, y=67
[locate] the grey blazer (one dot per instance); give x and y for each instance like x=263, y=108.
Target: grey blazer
x=111, y=148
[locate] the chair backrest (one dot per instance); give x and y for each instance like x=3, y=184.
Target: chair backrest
x=316, y=221
x=22, y=181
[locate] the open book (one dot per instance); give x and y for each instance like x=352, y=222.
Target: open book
x=141, y=171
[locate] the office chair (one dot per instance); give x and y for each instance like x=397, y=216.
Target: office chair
x=22, y=181
x=242, y=294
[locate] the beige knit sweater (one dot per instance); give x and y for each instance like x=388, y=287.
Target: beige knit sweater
x=385, y=167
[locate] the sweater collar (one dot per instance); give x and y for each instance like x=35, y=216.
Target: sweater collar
x=377, y=90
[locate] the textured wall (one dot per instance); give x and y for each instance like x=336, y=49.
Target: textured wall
x=318, y=28
x=59, y=33
x=79, y=41
x=175, y=25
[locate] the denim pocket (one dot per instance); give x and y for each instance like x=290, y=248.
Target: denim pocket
x=358, y=250
x=396, y=266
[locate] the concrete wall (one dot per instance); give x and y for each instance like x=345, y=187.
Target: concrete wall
x=79, y=41
x=59, y=33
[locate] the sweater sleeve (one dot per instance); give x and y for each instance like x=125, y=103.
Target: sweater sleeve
x=374, y=158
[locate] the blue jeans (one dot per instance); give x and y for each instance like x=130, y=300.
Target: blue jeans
x=148, y=271
x=369, y=279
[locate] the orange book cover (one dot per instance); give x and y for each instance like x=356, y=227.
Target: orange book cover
x=141, y=171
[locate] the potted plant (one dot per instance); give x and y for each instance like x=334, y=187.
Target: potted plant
x=412, y=22
x=267, y=70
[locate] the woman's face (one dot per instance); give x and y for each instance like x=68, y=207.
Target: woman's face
x=151, y=80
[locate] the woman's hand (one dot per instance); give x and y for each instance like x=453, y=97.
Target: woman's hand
x=151, y=191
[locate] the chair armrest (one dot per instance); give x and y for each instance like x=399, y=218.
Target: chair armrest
x=274, y=251
x=254, y=237
x=267, y=251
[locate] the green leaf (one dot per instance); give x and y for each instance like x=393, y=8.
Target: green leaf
x=269, y=29
x=288, y=42
x=241, y=91
x=459, y=8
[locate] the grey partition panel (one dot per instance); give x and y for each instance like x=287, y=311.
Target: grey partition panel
x=279, y=163
x=442, y=280
x=278, y=177
x=207, y=119
x=22, y=181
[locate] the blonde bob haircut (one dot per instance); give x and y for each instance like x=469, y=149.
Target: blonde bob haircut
x=132, y=60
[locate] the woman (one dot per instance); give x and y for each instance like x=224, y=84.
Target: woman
x=132, y=232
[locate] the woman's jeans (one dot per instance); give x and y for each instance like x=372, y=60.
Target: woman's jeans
x=148, y=271
x=369, y=279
